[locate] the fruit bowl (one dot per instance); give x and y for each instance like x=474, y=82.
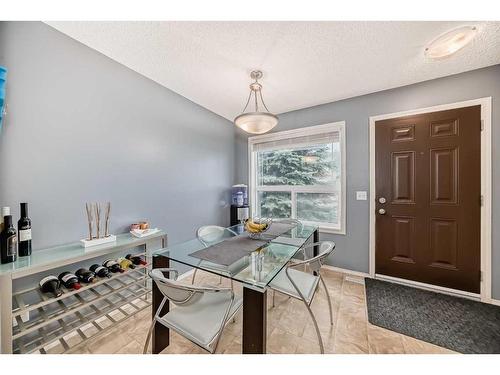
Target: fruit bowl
x=257, y=227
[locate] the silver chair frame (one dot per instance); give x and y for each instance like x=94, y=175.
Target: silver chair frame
x=192, y=291
x=314, y=264
x=300, y=226
x=207, y=244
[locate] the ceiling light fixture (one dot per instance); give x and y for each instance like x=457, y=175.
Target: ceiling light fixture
x=256, y=122
x=447, y=44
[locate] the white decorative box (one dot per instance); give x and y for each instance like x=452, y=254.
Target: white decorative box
x=98, y=241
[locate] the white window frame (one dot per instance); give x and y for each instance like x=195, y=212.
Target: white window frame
x=306, y=131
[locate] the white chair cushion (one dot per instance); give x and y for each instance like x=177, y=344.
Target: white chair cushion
x=306, y=283
x=200, y=321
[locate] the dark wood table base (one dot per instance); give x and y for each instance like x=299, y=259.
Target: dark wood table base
x=161, y=334
x=254, y=321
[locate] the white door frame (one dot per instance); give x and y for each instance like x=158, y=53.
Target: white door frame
x=486, y=172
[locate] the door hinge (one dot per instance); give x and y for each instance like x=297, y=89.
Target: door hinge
x=482, y=125
x=481, y=200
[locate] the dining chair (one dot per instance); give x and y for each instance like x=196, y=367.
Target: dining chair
x=209, y=235
x=303, y=285
x=299, y=225
x=200, y=313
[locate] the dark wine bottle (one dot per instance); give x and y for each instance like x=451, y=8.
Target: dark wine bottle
x=100, y=271
x=136, y=259
x=85, y=276
x=51, y=284
x=69, y=280
x=24, y=232
x=113, y=266
x=8, y=241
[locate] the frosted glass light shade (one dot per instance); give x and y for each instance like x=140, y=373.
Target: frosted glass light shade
x=256, y=122
x=451, y=42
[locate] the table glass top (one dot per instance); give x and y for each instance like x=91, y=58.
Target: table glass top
x=255, y=270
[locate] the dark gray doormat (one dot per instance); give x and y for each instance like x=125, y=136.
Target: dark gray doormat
x=455, y=323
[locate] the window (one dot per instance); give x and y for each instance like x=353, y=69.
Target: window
x=300, y=174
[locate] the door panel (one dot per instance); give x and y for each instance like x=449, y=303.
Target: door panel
x=444, y=243
x=404, y=238
x=444, y=173
x=403, y=177
x=428, y=171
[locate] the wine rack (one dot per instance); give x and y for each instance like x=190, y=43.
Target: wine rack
x=61, y=324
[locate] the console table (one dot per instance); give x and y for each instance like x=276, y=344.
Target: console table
x=33, y=322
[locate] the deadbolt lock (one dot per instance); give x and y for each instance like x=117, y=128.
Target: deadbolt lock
x=382, y=200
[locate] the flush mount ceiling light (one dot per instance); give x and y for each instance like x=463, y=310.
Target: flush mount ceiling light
x=450, y=42
x=256, y=122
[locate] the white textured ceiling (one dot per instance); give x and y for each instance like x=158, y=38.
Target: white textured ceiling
x=304, y=63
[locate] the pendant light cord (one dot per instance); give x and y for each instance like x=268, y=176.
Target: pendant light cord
x=256, y=100
x=248, y=101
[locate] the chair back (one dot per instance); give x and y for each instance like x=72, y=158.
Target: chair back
x=209, y=234
x=325, y=249
x=296, y=222
x=175, y=292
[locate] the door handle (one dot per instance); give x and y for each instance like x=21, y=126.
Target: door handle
x=381, y=211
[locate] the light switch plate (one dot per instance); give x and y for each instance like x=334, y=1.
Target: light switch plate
x=361, y=196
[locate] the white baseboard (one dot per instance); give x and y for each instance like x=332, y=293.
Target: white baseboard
x=346, y=271
x=495, y=302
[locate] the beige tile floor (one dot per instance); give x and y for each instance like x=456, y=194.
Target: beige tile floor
x=290, y=329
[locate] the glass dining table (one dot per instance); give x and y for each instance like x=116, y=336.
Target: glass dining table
x=254, y=271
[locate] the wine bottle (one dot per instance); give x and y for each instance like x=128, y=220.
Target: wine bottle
x=125, y=263
x=85, y=276
x=100, y=271
x=113, y=266
x=8, y=241
x=136, y=259
x=5, y=212
x=24, y=232
x=69, y=280
x=51, y=284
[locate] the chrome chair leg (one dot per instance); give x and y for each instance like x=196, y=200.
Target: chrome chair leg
x=194, y=275
x=148, y=337
x=320, y=340
x=328, y=297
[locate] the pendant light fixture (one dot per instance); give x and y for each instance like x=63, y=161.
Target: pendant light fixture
x=257, y=122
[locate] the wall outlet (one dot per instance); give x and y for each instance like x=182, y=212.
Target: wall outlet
x=361, y=196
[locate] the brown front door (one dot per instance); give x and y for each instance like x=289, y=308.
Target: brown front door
x=428, y=170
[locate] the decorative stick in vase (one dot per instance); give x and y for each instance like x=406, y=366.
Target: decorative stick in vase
x=106, y=223
x=90, y=219
x=98, y=219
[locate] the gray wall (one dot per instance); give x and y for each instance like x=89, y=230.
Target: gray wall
x=352, y=249
x=81, y=127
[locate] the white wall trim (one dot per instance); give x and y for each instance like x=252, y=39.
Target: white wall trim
x=338, y=126
x=495, y=302
x=345, y=271
x=486, y=191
